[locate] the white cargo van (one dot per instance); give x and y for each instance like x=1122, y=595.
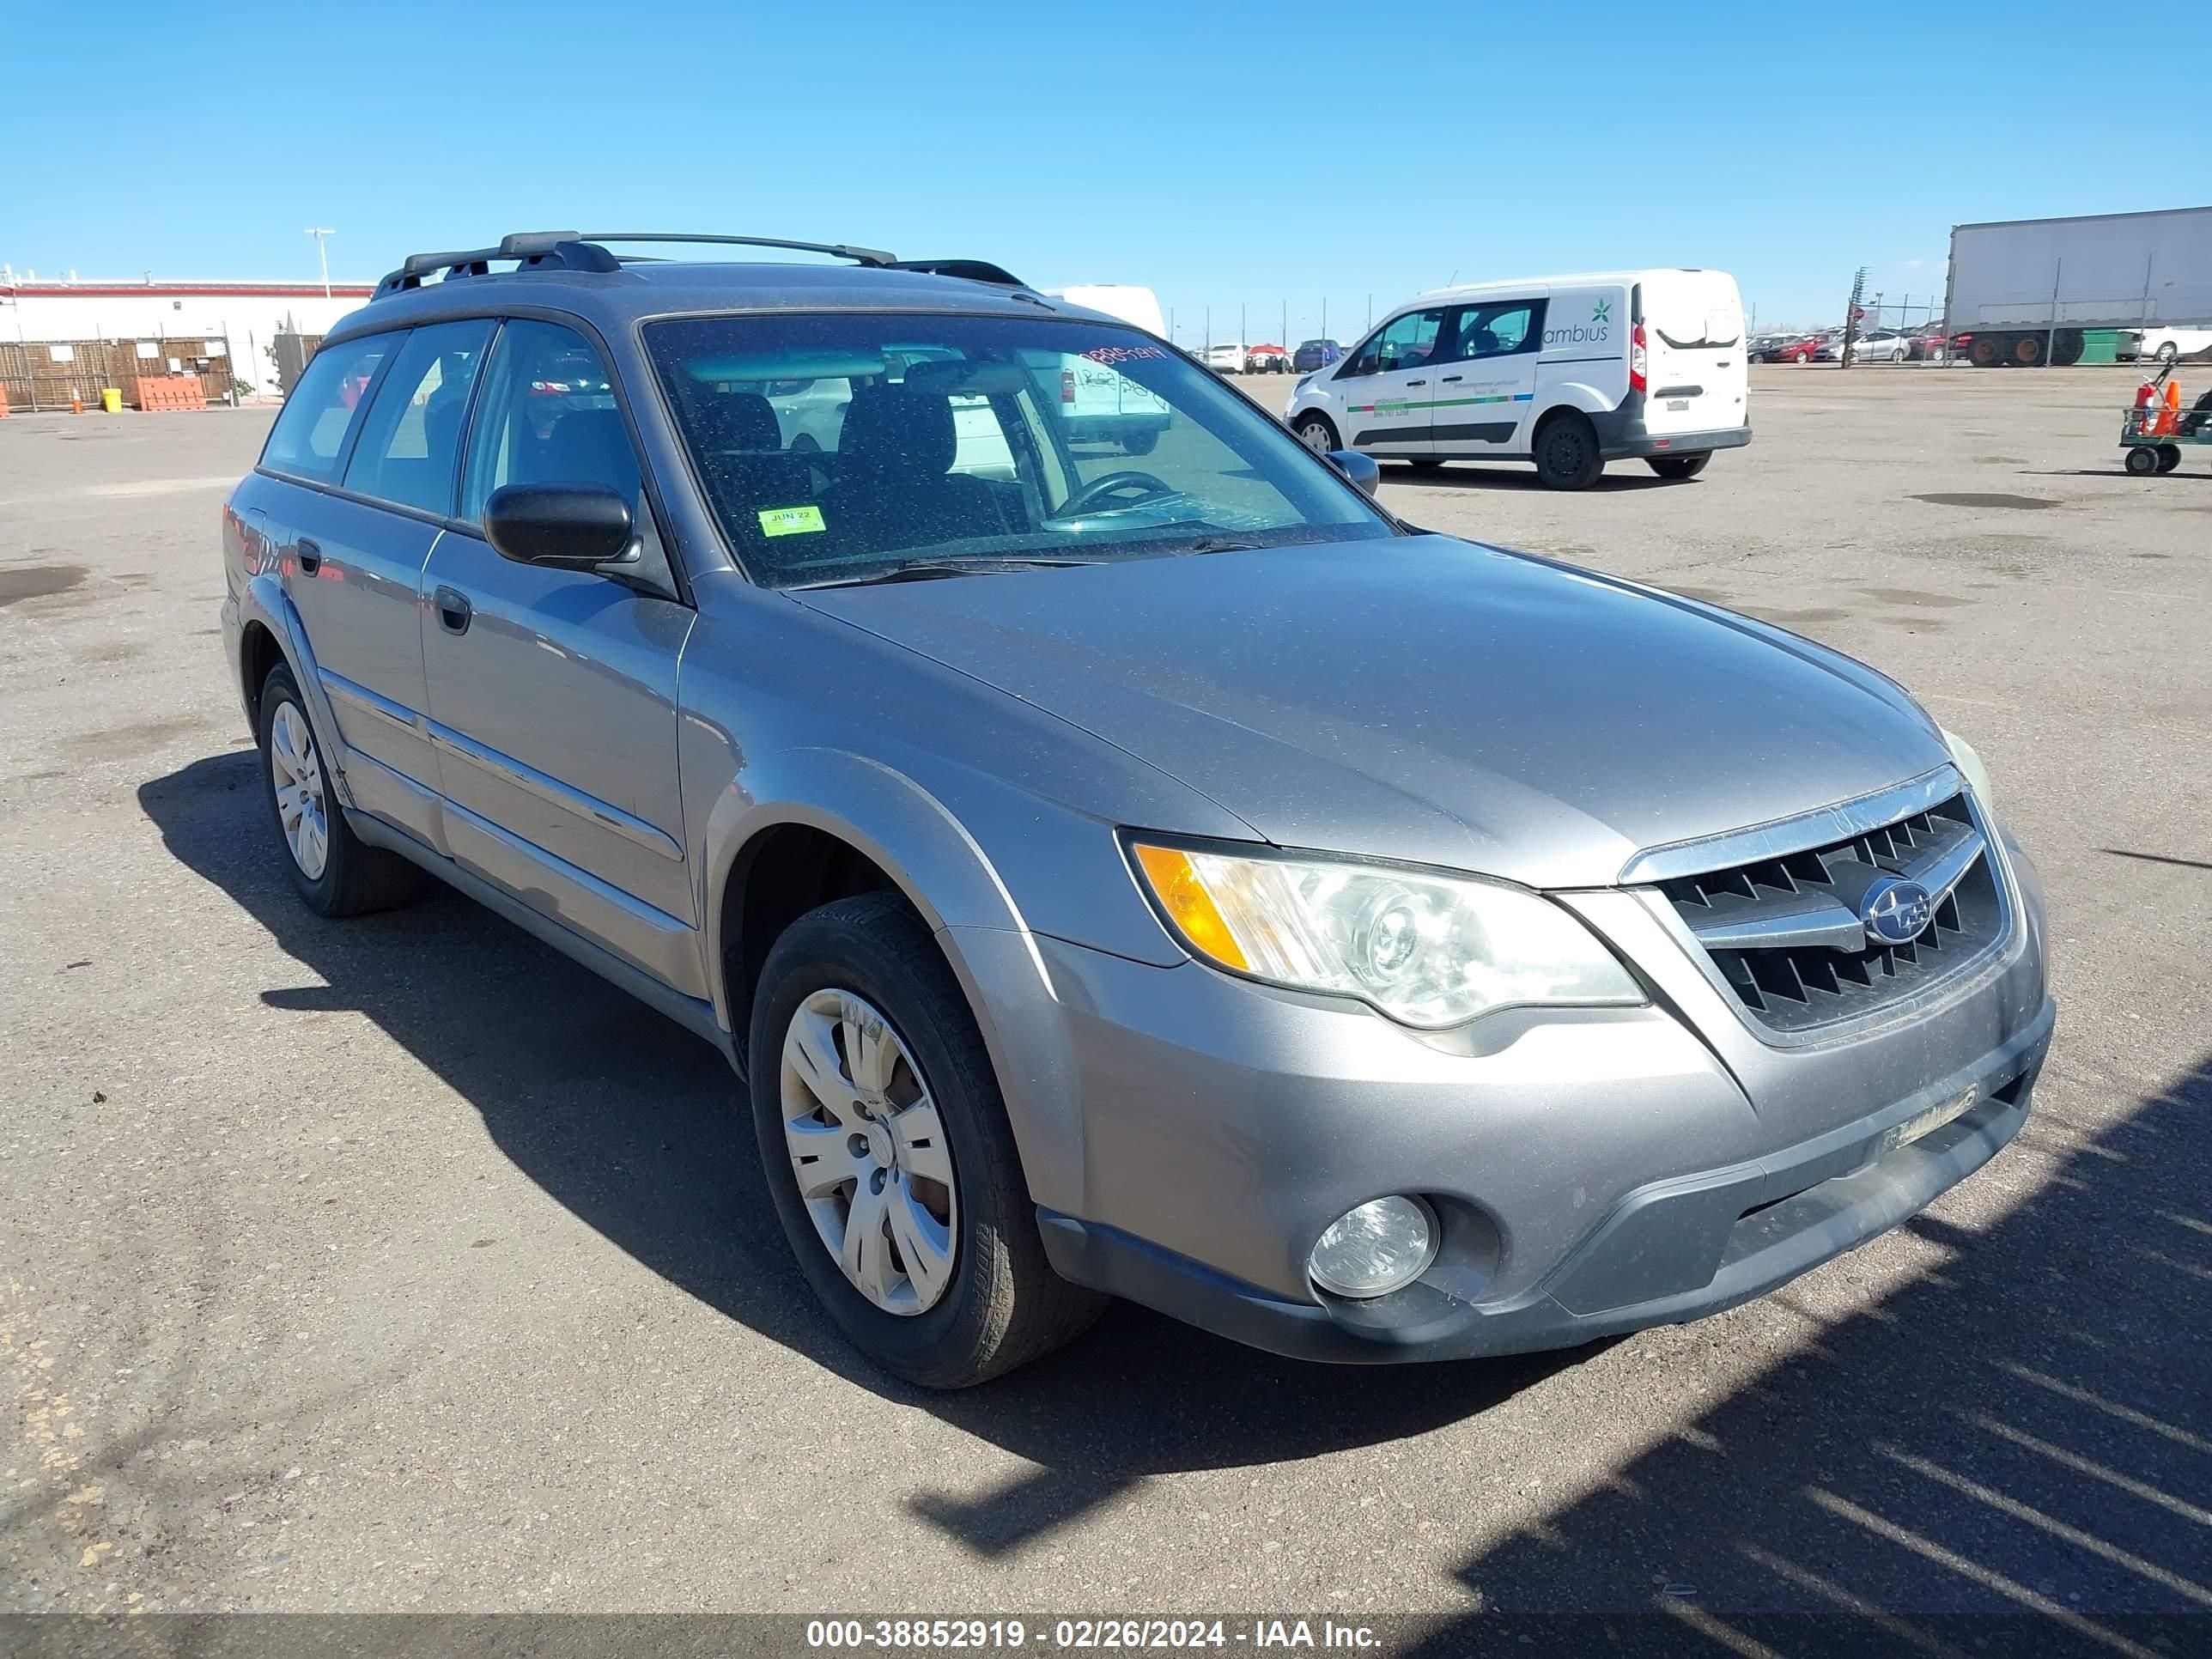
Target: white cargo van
x=1567, y=372
x=1096, y=404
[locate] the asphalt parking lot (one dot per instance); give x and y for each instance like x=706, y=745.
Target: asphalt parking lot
x=398, y=1265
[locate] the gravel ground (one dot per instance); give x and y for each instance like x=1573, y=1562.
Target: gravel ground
x=397, y=1265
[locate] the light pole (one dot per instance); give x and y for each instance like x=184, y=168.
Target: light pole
x=322, y=234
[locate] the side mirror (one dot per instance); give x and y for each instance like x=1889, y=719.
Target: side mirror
x=1360, y=469
x=570, y=526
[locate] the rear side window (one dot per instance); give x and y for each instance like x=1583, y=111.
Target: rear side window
x=547, y=414
x=409, y=447
x=310, y=434
x=1501, y=329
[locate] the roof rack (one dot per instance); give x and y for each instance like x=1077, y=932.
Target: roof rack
x=574, y=249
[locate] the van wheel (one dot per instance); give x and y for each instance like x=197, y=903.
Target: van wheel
x=1141, y=443
x=1423, y=463
x=1677, y=466
x=889, y=1155
x=334, y=872
x=1566, y=452
x=1315, y=433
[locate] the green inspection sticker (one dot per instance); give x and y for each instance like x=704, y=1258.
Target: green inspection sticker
x=790, y=520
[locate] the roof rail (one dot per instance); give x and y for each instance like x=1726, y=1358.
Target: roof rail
x=571, y=250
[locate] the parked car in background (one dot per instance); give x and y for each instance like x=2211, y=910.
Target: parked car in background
x=2170, y=345
x=1224, y=359
x=1801, y=348
x=1127, y=301
x=1267, y=360
x=1885, y=345
x=1930, y=346
x=1565, y=372
x=1314, y=354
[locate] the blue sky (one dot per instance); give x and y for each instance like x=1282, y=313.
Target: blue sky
x=1223, y=155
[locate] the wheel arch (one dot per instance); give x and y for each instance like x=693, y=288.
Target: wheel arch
x=860, y=826
x=269, y=622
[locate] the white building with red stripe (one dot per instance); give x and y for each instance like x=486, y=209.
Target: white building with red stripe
x=247, y=315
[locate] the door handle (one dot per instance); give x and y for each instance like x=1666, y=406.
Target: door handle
x=1417, y=383
x=310, y=556
x=454, y=610
x=1449, y=379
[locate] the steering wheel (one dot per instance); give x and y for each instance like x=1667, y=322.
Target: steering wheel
x=1098, y=495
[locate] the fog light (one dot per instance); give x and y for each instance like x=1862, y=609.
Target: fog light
x=1374, y=1250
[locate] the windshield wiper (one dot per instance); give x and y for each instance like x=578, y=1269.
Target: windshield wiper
x=923, y=570
x=1221, y=544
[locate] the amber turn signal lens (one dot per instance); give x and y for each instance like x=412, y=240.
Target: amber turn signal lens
x=1189, y=905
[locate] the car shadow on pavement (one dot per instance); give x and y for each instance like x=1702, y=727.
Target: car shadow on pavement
x=1507, y=476
x=641, y=1131
x=2011, y=1453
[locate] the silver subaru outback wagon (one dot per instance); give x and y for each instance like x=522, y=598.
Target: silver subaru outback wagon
x=1128, y=866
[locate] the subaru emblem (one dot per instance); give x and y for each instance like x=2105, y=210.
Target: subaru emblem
x=1895, y=911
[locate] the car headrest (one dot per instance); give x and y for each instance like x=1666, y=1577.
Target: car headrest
x=898, y=429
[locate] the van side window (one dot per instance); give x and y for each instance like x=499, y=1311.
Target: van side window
x=310, y=435
x=1500, y=329
x=409, y=448
x=547, y=414
x=1407, y=341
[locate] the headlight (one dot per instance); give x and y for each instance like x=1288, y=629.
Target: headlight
x=1429, y=951
x=1970, y=768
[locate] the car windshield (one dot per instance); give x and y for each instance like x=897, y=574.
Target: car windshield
x=844, y=448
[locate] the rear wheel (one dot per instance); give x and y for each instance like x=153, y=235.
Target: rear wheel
x=2141, y=460
x=2169, y=457
x=1983, y=351
x=1315, y=433
x=1566, y=453
x=2027, y=350
x=1677, y=466
x=334, y=871
x=1800, y=357
x=1139, y=443
x=889, y=1154
x=2167, y=352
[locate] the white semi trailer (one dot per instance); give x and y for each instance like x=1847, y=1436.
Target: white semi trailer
x=2022, y=291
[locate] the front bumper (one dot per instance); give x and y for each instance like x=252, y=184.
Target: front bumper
x=1668, y=1252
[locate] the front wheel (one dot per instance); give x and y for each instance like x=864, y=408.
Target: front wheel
x=2169, y=457
x=889, y=1156
x=1677, y=467
x=2167, y=352
x=1315, y=433
x=2143, y=459
x=1566, y=453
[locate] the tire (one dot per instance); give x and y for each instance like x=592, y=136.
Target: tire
x=1317, y=434
x=1566, y=452
x=2143, y=459
x=1801, y=358
x=338, y=874
x=1141, y=443
x=2027, y=350
x=2169, y=457
x=1983, y=352
x=806, y=444
x=1902, y=353
x=997, y=1304
x=1423, y=463
x=2168, y=352
x=1678, y=467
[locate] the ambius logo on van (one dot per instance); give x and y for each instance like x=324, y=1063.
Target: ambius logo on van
x=1596, y=331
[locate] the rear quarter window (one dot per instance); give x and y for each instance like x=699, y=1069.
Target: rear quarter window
x=309, y=438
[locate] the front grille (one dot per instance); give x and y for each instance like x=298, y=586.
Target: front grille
x=1787, y=935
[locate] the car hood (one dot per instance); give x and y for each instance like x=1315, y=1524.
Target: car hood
x=1425, y=699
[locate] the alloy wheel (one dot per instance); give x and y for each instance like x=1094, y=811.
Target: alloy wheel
x=296, y=772
x=869, y=1152
x=1315, y=437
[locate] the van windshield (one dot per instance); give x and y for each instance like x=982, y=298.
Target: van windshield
x=844, y=448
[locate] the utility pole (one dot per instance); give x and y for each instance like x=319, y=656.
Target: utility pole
x=322, y=234
x=1852, y=319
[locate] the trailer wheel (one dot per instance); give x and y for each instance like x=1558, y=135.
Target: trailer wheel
x=2141, y=460
x=2169, y=457
x=1984, y=351
x=2066, y=350
x=2027, y=350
